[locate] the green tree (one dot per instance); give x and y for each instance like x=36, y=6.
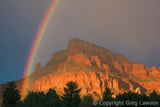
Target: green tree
x=11, y=95
x=107, y=95
x=154, y=96
x=20, y=104
x=87, y=101
x=39, y=99
x=71, y=96
x=52, y=99
x=131, y=96
x=34, y=99
x=144, y=97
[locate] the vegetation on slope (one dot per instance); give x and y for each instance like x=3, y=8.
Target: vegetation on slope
x=71, y=98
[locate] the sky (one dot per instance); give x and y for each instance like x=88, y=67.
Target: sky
x=127, y=27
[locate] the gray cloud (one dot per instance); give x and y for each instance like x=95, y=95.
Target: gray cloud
x=127, y=27
x=130, y=28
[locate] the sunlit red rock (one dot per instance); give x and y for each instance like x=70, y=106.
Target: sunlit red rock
x=93, y=68
x=139, y=71
x=118, y=67
x=106, y=67
x=89, y=82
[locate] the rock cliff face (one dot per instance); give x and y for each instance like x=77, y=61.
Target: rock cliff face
x=93, y=68
x=38, y=67
x=89, y=82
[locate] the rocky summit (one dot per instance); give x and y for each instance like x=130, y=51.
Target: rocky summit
x=93, y=68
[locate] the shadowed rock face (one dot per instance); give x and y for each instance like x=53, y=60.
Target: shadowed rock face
x=94, y=68
x=38, y=67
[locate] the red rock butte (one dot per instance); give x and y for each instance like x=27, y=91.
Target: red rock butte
x=93, y=68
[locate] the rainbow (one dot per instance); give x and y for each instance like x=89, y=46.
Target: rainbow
x=36, y=43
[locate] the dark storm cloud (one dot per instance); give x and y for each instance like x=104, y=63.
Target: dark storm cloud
x=18, y=24
x=127, y=27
